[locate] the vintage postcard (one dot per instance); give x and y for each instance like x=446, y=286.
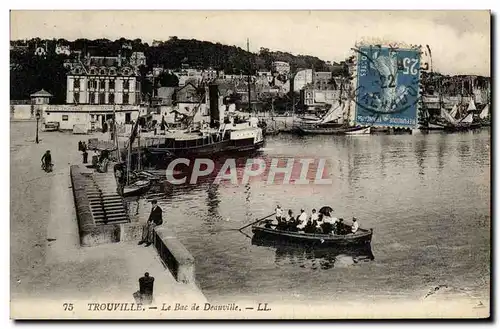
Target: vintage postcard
x=250, y=164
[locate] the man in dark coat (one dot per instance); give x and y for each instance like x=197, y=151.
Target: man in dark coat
x=155, y=219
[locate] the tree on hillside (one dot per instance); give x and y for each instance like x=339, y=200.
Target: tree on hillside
x=168, y=80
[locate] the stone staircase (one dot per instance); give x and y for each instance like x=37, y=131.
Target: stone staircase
x=105, y=203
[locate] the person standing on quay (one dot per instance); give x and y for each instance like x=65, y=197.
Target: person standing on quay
x=85, y=153
x=155, y=219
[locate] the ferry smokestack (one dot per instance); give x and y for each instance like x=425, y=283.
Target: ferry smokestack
x=213, y=93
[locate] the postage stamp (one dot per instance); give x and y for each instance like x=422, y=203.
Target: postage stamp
x=250, y=165
x=388, y=85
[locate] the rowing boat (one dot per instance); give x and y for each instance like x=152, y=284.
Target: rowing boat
x=136, y=188
x=292, y=250
x=362, y=236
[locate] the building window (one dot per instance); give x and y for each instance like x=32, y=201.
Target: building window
x=125, y=98
x=126, y=84
x=65, y=117
x=92, y=98
x=76, y=97
x=111, y=84
x=76, y=84
x=102, y=98
x=102, y=85
x=128, y=117
x=111, y=98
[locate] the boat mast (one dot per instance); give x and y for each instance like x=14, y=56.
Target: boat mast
x=116, y=135
x=248, y=76
x=349, y=102
x=139, y=150
x=128, y=161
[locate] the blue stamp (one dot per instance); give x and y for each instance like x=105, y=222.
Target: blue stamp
x=387, y=88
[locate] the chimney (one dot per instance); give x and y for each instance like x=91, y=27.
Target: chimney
x=213, y=92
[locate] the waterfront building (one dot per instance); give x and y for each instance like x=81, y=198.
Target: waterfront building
x=137, y=58
x=280, y=67
x=301, y=79
x=188, y=97
x=40, y=51
x=62, y=50
x=103, y=80
x=164, y=96
x=312, y=97
x=40, y=97
x=322, y=81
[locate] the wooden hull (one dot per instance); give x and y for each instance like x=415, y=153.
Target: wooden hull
x=463, y=127
x=284, y=248
x=135, y=189
x=359, y=238
x=329, y=131
x=207, y=150
x=432, y=126
x=362, y=132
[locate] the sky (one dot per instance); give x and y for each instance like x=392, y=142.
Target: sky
x=459, y=40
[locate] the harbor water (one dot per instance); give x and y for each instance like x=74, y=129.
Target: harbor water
x=426, y=196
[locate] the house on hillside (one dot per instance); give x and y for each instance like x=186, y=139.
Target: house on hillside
x=189, y=97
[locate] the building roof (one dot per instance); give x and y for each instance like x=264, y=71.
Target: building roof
x=41, y=93
x=104, y=61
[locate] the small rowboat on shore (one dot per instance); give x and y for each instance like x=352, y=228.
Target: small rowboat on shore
x=136, y=188
x=362, y=236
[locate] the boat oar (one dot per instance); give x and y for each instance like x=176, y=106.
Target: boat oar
x=259, y=220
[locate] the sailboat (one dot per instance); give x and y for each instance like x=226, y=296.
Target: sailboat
x=467, y=122
x=134, y=185
x=333, y=123
x=447, y=120
x=484, y=116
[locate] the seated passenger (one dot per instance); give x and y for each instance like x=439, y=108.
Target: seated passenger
x=317, y=227
x=327, y=228
x=282, y=226
x=341, y=229
x=310, y=227
x=292, y=224
x=314, y=215
x=289, y=220
x=279, y=213
x=355, y=225
x=302, y=220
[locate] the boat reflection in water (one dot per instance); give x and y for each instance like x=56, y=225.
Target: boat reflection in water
x=317, y=257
